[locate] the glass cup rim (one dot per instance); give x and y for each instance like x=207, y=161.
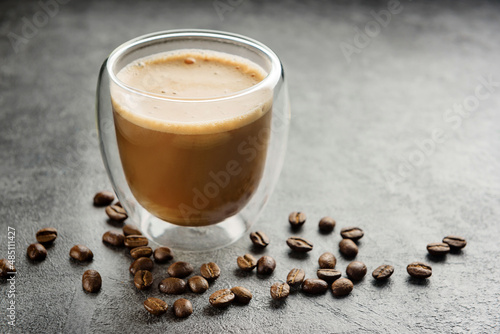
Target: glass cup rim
x=272, y=77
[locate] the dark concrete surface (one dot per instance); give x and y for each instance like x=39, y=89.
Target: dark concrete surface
x=355, y=153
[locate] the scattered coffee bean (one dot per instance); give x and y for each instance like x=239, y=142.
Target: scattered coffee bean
x=383, y=272
x=328, y=275
x=356, y=270
x=143, y=279
x=116, y=213
x=241, y=295
x=259, y=239
x=133, y=241
x=455, y=242
x=326, y=224
x=183, y=308
x=91, y=281
x=131, y=229
x=246, y=262
x=438, y=248
x=104, y=198
x=299, y=245
x=36, y=252
x=113, y=238
x=142, y=263
x=6, y=267
x=297, y=219
x=295, y=277
x=143, y=251
x=155, y=306
x=163, y=254
x=419, y=270
x=314, y=286
x=280, y=291
x=46, y=235
x=221, y=298
x=342, y=287
x=172, y=286
x=198, y=284
x=353, y=233
x=327, y=261
x=348, y=248
x=119, y=204
x=266, y=265
x=210, y=271
x=81, y=253
x=180, y=269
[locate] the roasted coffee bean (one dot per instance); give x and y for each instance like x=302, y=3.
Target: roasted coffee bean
x=353, y=233
x=328, y=275
x=297, y=219
x=46, y=235
x=299, y=245
x=438, y=248
x=210, y=271
x=198, y=284
x=266, y=265
x=6, y=267
x=419, y=270
x=133, y=241
x=295, y=277
x=342, y=287
x=259, y=239
x=327, y=261
x=142, y=263
x=455, y=242
x=180, y=269
x=116, y=213
x=155, y=306
x=143, y=251
x=348, y=248
x=163, y=254
x=221, y=298
x=131, y=229
x=314, y=286
x=246, y=262
x=81, y=253
x=280, y=290
x=183, y=308
x=143, y=279
x=326, y=224
x=172, y=286
x=356, y=270
x=241, y=295
x=36, y=252
x=104, y=198
x=91, y=281
x=113, y=238
x=383, y=272
x=119, y=204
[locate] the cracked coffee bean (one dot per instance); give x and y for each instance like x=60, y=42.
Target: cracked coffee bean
x=328, y=275
x=46, y=235
x=246, y=262
x=116, y=213
x=163, y=254
x=356, y=270
x=133, y=241
x=113, y=238
x=327, y=261
x=326, y=224
x=342, y=287
x=143, y=251
x=91, y=281
x=295, y=277
x=172, y=286
x=383, y=272
x=104, y=198
x=6, y=267
x=81, y=253
x=438, y=248
x=221, y=298
x=155, y=306
x=455, y=242
x=259, y=239
x=182, y=308
x=419, y=270
x=180, y=269
x=353, y=233
x=280, y=291
x=241, y=295
x=143, y=279
x=297, y=219
x=299, y=245
x=348, y=248
x=314, y=286
x=210, y=271
x=36, y=252
x=198, y=284
x=131, y=229
x=142, y=263
x=266, y=265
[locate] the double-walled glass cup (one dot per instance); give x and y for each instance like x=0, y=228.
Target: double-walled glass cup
x=194, y=183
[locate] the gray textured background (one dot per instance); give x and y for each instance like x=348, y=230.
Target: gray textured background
x=353, y=154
